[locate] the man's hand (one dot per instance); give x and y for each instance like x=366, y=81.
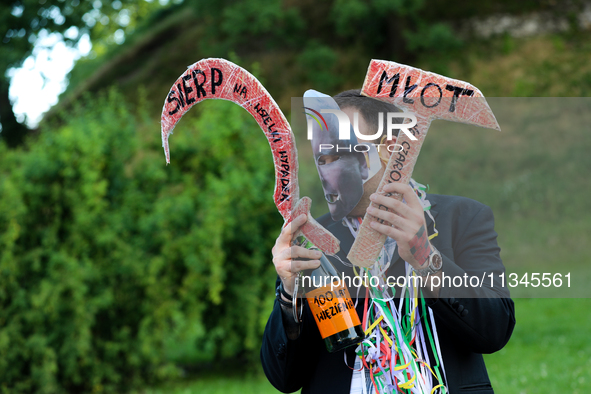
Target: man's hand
x=287, y=258
x=405, y=223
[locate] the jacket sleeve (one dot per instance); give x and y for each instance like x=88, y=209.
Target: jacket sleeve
x=479, y=311
x=288, y=364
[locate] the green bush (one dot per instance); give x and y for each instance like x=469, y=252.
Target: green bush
x=115, y=269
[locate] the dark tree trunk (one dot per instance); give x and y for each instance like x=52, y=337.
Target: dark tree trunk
x=13, y=132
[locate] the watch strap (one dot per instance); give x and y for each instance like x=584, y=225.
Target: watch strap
x=430, y=269
x=285, y=293
x=278, y=292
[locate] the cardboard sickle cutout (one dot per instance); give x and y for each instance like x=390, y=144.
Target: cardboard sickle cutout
x=221, y=79
x=428, y=96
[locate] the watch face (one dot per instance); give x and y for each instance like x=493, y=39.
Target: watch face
x=436, y=261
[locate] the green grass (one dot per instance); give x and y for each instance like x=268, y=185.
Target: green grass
x=549, y=352
x=217, y=384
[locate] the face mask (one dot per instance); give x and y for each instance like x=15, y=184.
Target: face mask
x=342, y=170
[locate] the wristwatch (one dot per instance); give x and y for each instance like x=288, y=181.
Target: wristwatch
x=434, y=263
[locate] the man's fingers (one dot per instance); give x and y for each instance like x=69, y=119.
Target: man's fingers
x=293, y=260
x=285, y=259
x=407, y=192
x=290, y=271
x=301, y=252
x=290, y=229
x=300, y=265
x=390, y=218
x=390, y=231
x=391, y=204
x=295, y=252
x=285, y=255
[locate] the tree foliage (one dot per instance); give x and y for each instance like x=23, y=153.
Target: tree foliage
x=114, y=269
x=313, y=31
x=23, y=21
x=114, y=266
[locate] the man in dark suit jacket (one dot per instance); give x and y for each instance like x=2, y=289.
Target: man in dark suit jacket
x=470, y=320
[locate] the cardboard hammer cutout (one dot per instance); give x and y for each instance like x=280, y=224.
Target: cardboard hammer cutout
x=221, y=79
x=428, y=96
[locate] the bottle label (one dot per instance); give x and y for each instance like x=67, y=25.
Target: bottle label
x=333, y=310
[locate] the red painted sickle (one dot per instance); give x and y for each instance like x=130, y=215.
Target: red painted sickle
x=221, y=79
